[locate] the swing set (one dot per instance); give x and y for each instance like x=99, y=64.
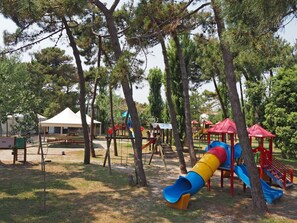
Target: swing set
x=159, y=142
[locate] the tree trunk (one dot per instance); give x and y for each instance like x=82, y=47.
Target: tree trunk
x=112, y=122
x=225, y=114
x=92, y=118
x=241, y=96
x=187, y=108
x=256, y=189
x=111, y=109
x=140, y=174
x=94, y=97
x=82, y=93
x=179, y=149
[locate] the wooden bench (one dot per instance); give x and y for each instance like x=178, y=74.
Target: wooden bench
x=14, y=144
x=66, y=140
x=56, y=140
x=76, y=141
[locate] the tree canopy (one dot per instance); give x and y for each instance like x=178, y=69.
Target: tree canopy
x=280, y=112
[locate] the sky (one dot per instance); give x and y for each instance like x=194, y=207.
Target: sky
x=154, y=59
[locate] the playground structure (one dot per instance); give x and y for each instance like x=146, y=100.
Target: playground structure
x=227, y=158
x=273, y=168
x=159, y=140
x=200, y=131
x=160, y=136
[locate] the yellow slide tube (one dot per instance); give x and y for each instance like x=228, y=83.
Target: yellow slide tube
x=206, y=166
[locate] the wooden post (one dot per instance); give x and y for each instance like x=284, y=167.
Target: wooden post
x=107, y=154
x=222, y=178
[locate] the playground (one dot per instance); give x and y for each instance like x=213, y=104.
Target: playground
x=89, y=193
x=229, y=161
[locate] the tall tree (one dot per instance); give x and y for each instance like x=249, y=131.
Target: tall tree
x=172, y=112
x=280, y=112
x=16, y=95
x=256, y=189
x=124, y=67
x=155, y=77
x=211, y=66
x=55, y=78
x=82, y=93
x=153, y=31
x=185, y=83
x=49, y=20
x=177, y=87
x=253, y=38
x=161, y=20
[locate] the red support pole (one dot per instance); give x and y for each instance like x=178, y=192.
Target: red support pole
x=261, y=162
x=232, y=165
x=270, y=148
x=284, y=181
x=208, y=142
x=262, y=142
x=223, y=137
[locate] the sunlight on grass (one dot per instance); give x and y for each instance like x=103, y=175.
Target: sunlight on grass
x=88, y=193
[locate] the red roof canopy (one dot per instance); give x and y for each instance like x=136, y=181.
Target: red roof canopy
x=207, y=122
x=226, y=126
x=195, y=122
x=258, y=131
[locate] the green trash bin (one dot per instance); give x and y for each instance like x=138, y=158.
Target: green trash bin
x=20, y=143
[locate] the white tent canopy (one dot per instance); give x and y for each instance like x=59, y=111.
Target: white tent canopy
x=41, y=117
x=12, y=120
x=88, y=118
x=66, y=118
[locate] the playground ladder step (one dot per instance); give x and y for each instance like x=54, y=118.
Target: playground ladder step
x=278, y=178
x=289, y=184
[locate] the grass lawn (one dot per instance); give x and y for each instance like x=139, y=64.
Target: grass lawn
x=88, y=193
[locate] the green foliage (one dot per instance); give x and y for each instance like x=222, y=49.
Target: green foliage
x=165, y=114
x=205, y=102
x=127, y=65
x=255, y=105
x=280, y=112
x=16, y=94
x=55, y=80
x=145, y=117
x=177, y=86
x=25, y=125
x=103, y=110
x=209, y=58
x=155, y=77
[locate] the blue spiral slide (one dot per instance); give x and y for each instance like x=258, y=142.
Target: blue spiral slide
x=270, y=194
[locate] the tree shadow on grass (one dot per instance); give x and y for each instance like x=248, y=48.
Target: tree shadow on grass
x=88, y=193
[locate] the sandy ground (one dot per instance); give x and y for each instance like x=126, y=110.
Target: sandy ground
x=33, y=156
